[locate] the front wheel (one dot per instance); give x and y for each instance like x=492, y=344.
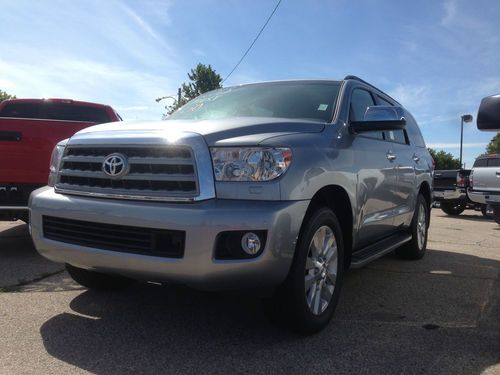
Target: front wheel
x=309, y=296
x=97, y=280
x=453, y=208
x=415, y=249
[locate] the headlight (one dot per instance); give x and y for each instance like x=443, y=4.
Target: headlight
x=250, y=163
x=55, y=161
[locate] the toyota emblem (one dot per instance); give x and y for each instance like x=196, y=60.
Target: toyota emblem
x=115, y=165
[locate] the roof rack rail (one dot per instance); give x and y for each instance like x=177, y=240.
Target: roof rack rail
x=356, y=78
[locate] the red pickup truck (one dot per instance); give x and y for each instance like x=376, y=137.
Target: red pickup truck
x=29, y=130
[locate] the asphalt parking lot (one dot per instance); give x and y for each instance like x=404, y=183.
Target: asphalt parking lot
x=437, y=315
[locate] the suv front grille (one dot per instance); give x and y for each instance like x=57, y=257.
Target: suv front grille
x=122, y=238
x=155, y=172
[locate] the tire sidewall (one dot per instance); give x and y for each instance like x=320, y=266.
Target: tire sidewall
x=421, y=202
x=301, y=310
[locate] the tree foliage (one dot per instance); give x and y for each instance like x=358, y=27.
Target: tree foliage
x=494, y=146
x=203, y=78
x=5, y=96
x=444, y=160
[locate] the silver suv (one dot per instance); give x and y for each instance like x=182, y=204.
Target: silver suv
x=280, y=184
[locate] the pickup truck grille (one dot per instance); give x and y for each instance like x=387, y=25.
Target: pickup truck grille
x=154, y=172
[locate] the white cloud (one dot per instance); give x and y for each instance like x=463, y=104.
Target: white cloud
x=450, y=11
x=456, y=145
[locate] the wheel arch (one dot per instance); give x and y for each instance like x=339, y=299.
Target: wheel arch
x=425, y=190
x=337, y=199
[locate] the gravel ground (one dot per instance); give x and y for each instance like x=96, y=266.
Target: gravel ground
x=437, y=315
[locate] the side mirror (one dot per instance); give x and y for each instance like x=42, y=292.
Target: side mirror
x=488, y=116
x=380, y=118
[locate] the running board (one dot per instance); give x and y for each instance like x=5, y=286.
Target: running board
x=374, y=251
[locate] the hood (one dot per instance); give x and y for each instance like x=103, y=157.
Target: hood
x=240, y=130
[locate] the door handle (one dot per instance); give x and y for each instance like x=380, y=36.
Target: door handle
x=416, y=159
x=390, y=156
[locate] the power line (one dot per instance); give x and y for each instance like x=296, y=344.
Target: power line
x=257, y=37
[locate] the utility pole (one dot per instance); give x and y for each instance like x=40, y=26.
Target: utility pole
x=464, y=118
x=179, y=96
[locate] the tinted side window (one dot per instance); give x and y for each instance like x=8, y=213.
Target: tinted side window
x=382, y=101
x=396, y=136
x=480, y=163
x=360, y=101
x=414, y=134
x=21, y=110
x=494, y=162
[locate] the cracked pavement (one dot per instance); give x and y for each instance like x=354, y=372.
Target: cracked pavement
x=437, y=315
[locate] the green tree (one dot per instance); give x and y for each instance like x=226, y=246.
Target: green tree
x=202, y=79
x=494, y=146
x=5, y=96
x=444, y=160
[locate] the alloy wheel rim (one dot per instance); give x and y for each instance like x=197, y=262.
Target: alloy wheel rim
x=321, y=270
x=421, y=226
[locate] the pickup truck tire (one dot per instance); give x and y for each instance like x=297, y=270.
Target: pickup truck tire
x=309, y=296
x=453, y=208
x=496, y=214
x=416, y=248
x=98, y=281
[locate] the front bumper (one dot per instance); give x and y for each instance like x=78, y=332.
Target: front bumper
x=202, y=222
x=483, y=197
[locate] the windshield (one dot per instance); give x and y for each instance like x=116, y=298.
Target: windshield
x=295, y=100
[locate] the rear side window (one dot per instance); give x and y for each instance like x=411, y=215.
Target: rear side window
x=58, y=111
x=21, y=110
x=480, y=163
x=55, y=111
x=494, y=162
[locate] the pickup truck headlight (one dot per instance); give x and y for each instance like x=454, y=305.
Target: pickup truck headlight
x=55, y=161
x=250, y=163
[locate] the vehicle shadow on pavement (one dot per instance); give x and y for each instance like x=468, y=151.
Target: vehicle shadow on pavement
x=439, y=315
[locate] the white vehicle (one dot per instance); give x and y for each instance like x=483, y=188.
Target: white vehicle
x=485, y=183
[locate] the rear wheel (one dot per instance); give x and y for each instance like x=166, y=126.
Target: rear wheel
x=309, y=296
x=496, y=214
x=453, y=208
x=484, y=209
x=97, y=280
x=415, y=249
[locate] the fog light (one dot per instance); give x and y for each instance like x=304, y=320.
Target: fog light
x=250, y=243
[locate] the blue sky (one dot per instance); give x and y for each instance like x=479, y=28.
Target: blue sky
x=438, y=58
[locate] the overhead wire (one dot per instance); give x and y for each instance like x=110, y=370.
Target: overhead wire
x=253, y=42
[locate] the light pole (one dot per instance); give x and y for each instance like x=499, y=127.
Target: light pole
x=465, y=118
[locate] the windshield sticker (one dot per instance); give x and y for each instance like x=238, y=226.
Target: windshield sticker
x=323, y=107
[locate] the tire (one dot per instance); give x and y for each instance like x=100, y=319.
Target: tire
x=416, y=248
x=98, y=281
x=496, y=214
x=484, y=210
x=297, y=302
x=454, y=208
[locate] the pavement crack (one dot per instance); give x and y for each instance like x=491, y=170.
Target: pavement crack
x=494, y=279
x=22, y=283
